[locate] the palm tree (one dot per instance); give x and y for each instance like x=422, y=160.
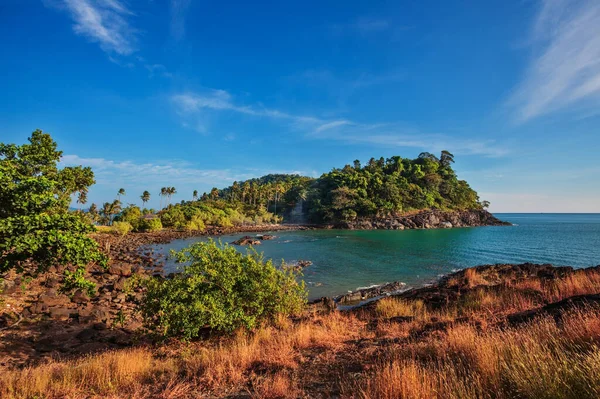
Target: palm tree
x=169, y=191
x=163, y=194
x=235, y=188
x=93, y=212
x=145, y=197
x=121, y=192
x=195, y=195
x=214, y=193
x=82, y=198
x=109, y=209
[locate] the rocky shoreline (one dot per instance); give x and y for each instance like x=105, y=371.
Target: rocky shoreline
x=433, y=219
x=38, y=321
x=448, y=288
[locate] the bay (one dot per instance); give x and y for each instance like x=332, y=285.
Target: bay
x=345, y=260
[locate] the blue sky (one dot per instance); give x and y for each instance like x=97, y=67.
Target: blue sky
x=196, y=94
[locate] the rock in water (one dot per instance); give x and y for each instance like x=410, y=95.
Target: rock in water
x=247, y=240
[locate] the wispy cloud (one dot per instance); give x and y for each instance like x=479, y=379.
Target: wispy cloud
x=398, y=138
x=332, y=125
x=178, y=10
x=110, y=175
x=221, y=100
x=368, y=25
x=343, y=130
x=110, y=172
x=565, y=70
x=104, y=22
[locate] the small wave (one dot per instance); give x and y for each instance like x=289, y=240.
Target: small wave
x=369, y=287
x=286, y=241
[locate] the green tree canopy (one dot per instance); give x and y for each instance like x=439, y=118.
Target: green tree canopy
x=35, y=222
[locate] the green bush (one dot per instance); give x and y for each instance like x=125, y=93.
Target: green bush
x=150, y=225
x=220, y=289
x=121, y=228
x=76, y=279
x=195, y=224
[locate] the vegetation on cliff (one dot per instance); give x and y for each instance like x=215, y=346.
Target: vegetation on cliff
x=381, y=188
x=390, y=186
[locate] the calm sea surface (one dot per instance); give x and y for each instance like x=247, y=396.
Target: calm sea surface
x=345, y=260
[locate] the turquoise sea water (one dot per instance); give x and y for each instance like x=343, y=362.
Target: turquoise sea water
x=345, y=260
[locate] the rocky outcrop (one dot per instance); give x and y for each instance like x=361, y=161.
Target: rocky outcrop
x=433, y=219
x=247, y=240
x=355, y=297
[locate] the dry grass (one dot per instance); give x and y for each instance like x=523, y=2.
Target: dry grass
x=539, y=360
x=262, y=363
x=394, y=307
x=428, y=354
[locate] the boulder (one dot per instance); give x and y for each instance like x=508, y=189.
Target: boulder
x=120, y=269
x=80, y=297
x=266, y=237
x=51, y=298
x=59, y=313
x=247, y=240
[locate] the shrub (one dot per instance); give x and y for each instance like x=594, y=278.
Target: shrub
x=76, y=280
x=220, y=289
x=195, y=224
x=121, y=228
x=150, y=225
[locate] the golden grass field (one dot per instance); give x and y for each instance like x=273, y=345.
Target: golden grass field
x=394, y=349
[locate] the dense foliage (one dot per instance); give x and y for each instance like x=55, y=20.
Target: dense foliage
x=389, y=186
x=35, y=222
x=220, y=289
x=276, y=193
x=196, y=215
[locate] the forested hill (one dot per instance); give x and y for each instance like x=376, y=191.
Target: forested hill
x=380, y=188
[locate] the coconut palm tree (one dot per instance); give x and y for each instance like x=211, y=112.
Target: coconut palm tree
x=145, y=197
x=109, y=209
x=195, y=195
x=163, y=194
x=82, y=198
x=172, y=191
x=121, y=192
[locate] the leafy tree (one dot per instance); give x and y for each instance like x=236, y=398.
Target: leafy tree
x=387, y=186
x=110, y=209
x=35, y=222
x=145, y=197
x=195, y=195
x=220, y=289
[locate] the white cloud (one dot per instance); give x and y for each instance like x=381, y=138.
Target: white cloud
x=104, y=22
x=426, y=142
x=178, y=10
x=158, y=69
x=377, y=134
x=565, y=70
x=136, y=177
x=368, y=25
x=332, y=125
x=221, y=100
x=170, y=172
